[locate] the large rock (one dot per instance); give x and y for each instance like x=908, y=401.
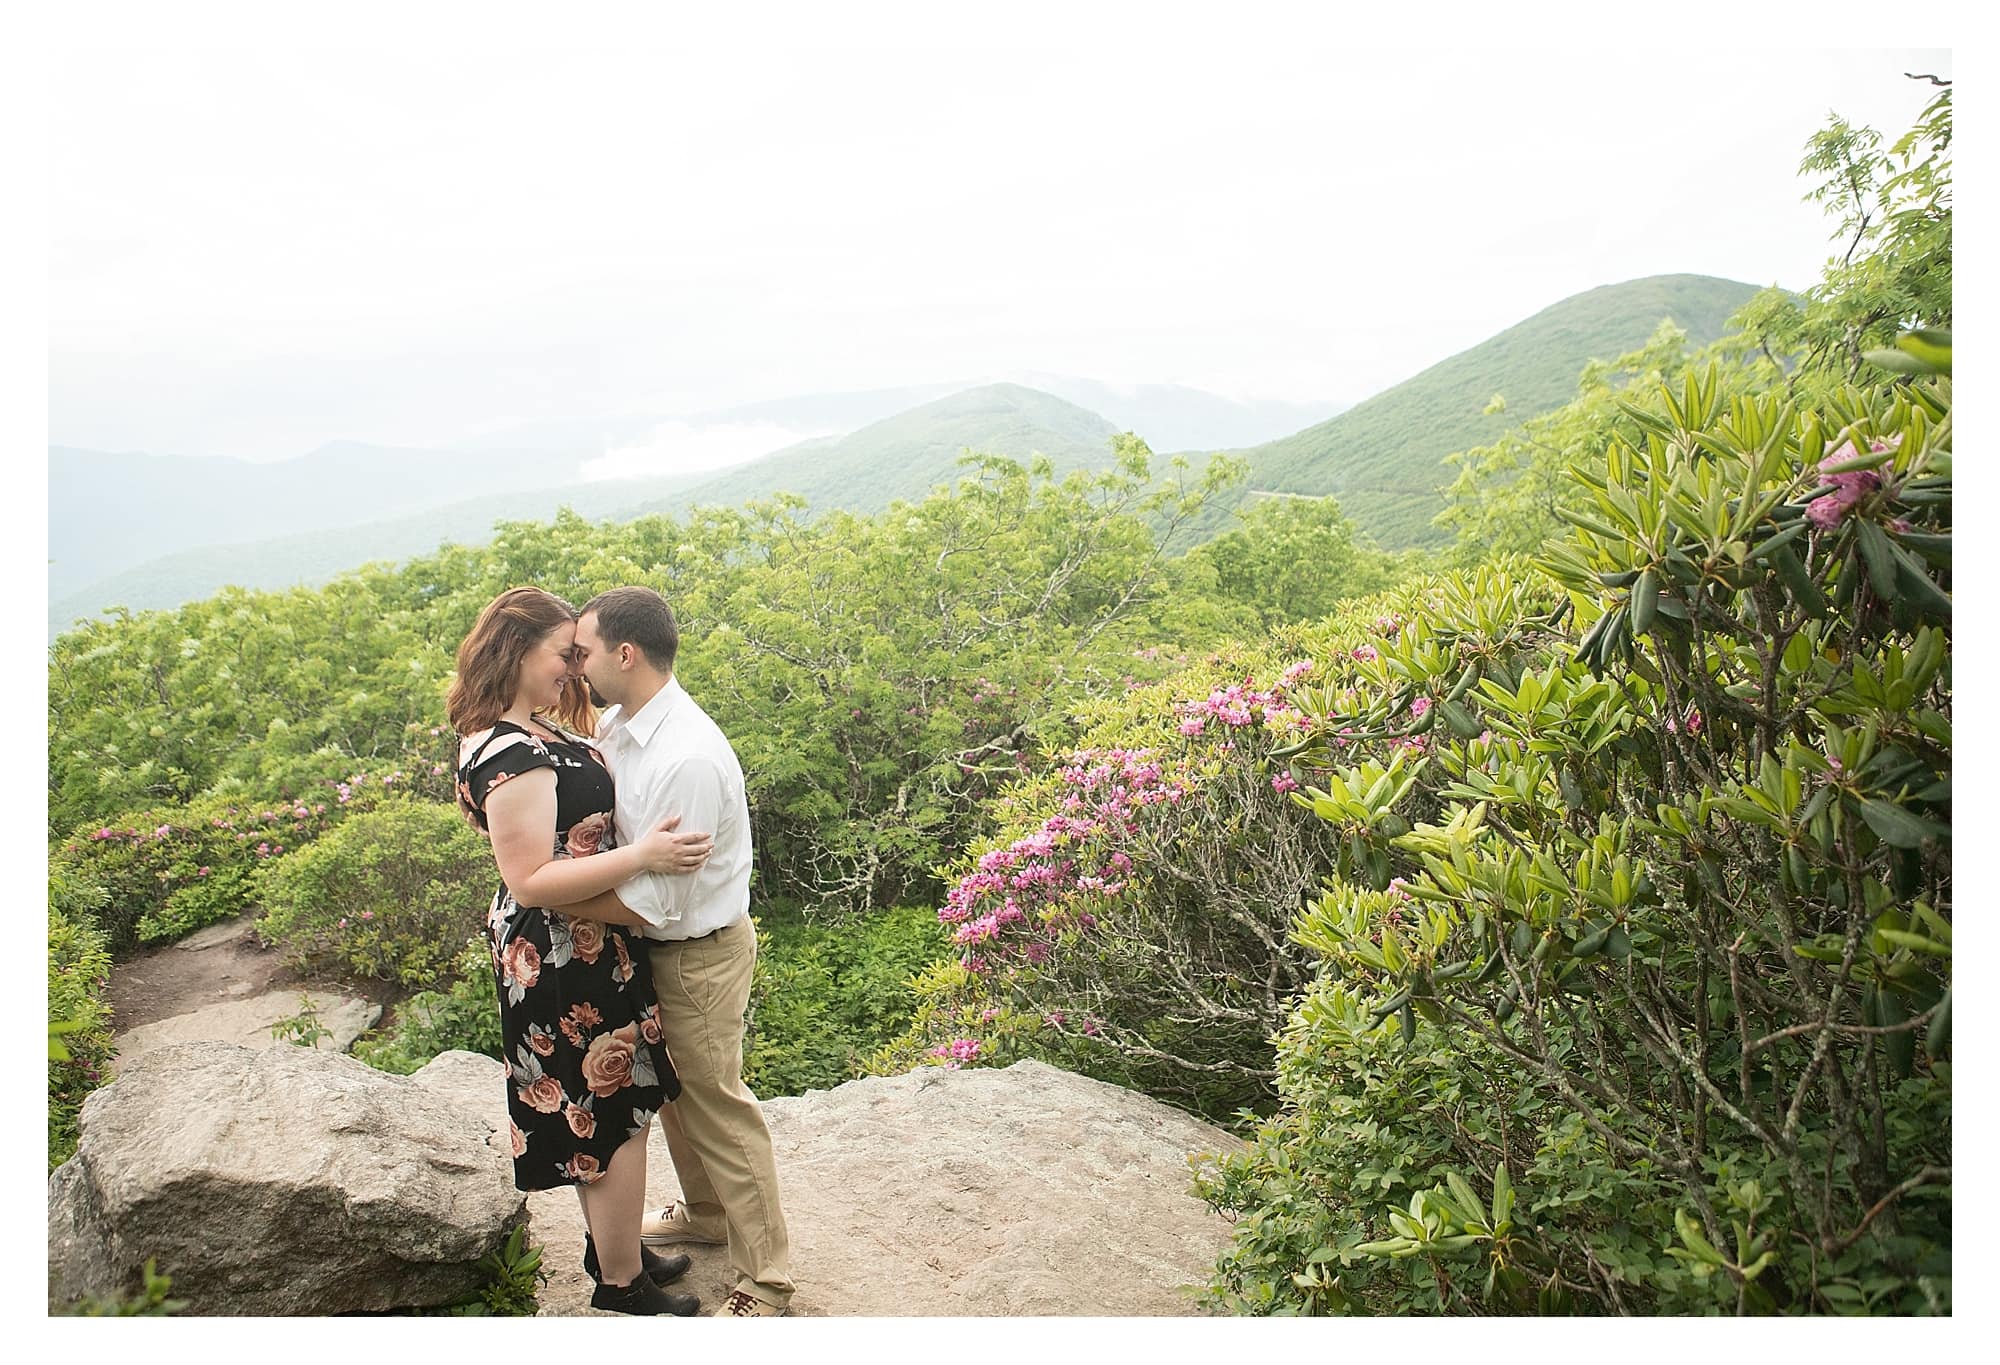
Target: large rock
x=247, y=1023
x=1026, y=1190
x=279, y=1181
x=477, y=1085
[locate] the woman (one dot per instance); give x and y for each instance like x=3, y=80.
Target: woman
x=577, y=1011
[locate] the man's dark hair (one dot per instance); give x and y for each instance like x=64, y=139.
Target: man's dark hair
x=639, y=617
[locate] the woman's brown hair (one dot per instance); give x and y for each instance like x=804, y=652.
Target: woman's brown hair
x=489, y=663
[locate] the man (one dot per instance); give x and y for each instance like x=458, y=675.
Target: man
x=668, y=758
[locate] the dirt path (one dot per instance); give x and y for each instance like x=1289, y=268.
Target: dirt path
x=222, y=962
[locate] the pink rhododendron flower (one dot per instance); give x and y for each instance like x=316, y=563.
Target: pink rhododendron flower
x=1284, y=782
x=1850, y=485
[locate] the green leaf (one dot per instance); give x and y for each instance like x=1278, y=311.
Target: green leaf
x=1691, y=1234
x=1503, y=1195
x=1880, y=557
x=1898, y=362
x=1897, y=826
x=1915, y=942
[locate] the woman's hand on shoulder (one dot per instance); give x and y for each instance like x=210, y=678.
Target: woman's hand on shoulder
x=665, y=850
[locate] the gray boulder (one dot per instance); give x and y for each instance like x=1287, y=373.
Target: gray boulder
x=278, y=1181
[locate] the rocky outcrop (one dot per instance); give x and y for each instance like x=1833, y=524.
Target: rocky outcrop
x=301, y=1182
x=277, y=1181
x=247, y=1023
x=1018, y=1191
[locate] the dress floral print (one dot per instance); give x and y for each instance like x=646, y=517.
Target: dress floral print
x=578, y=1017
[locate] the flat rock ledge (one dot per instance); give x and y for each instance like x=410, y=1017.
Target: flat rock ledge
x=247, y=1023
x=1004, y=1192
x=277, y=1181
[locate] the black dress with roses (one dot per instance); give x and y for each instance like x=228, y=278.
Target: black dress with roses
x=578, y=1017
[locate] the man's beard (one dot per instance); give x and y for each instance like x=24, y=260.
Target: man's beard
x=596, y=697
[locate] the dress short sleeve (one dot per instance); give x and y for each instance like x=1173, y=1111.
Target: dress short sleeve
x=490, y=758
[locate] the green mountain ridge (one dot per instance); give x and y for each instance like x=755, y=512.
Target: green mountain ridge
x=903, y=456
x=1383, y=457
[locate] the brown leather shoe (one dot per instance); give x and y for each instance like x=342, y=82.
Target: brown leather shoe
x=742, y=1305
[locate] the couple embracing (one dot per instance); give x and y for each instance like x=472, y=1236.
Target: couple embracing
x=621, y=937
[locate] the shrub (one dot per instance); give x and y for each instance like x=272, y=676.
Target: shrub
x=829, y=991
x=169, y=870
x=392, y=893
x=79, y=972
x=1657, y=1018
x=462, y=1017
x=1132, y=919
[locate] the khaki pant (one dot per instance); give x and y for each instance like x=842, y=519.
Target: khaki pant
x=715, y=1131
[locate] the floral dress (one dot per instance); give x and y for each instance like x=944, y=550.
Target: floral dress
x=578, y=1018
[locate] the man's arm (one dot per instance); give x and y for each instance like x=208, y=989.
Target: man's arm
x=519, y=818
x=690, y=787
x=606, y=907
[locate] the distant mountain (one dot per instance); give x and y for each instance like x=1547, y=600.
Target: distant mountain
x=1383, y=457
x=313, y=557
x=1173, y=417
x=907, y=455
x=1168, y=416
x=901, y=457
x=589, y=437
x=347, y=504
x=109, y=512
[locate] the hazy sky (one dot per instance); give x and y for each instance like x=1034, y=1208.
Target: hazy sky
x=255, y=250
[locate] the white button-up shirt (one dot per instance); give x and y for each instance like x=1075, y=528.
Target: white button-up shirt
x=668, y=758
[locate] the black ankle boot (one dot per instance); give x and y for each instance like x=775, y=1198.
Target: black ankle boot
x=643, y=1298
x=659, y=1269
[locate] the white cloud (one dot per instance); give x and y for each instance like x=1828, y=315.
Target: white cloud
x=677, y=448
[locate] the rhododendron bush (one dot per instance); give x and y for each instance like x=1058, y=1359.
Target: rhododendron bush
x=1654, y=1014
x=169, y=870
x=1133, y=919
